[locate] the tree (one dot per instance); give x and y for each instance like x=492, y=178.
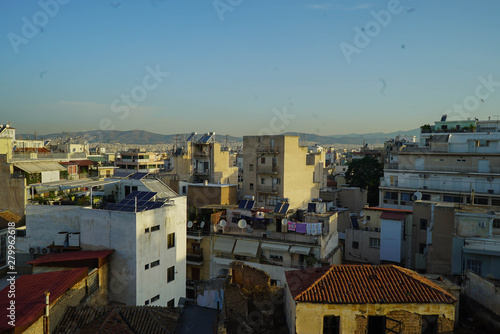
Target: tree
x=366, y=173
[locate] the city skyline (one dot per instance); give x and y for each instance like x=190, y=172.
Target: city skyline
x=243, y=68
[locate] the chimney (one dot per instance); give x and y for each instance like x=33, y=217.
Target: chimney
x=47, y=306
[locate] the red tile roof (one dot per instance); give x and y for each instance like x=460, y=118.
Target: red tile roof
x=30, y=294
x=84, y=162
x=72, y=256
x=392, y=215
x=363, y=284
x=388, y=210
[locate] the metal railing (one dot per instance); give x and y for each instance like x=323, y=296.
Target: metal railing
x=267, y=149
x=195, y=254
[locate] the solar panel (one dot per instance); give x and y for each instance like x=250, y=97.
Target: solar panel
x=138, y=176
x=190, y=137
x=250, y=205
x=122, y=174
x=201, y=140
x=284, y=208
x=146, y=196
x=132, y=194
x=243, y=204
x=277, y=208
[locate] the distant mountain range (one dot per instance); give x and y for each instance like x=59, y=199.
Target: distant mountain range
x=141, y=137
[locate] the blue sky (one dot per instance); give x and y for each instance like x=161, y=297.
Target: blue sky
x=234, y=70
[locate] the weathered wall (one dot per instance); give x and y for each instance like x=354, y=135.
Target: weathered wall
x=483, y=291
x=12, y=190
x=353, y=317
x=247, y=277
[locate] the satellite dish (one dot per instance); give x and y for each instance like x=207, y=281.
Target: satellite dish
x=416, y=196
x=222, y=223
x=202, y=224
x=190, y=224
x=284, y=222
x=242, y=223
x=361, y=214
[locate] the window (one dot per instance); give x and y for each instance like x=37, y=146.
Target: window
x=170, y=274
x=496, y=223
x=171, y=240
x=262, y=180
x=251, y=186
x=277, y=258
x=429, y=324
x=426, y=197
x=154, y=264
x=405, y=196
x=146, y=267
x=368, y=218
x=146, y=302
x=474, y=266
x=375, y=242
x=481, y=224
x=146, y=230
x=184, y=189
x=155, y=298
x=421, y=248
x=127, y=190
x=262, y=160
x=376, y=324
x=278, y=180
x=134, y=188
x=155, y=228
x=461, y=160
x=423, y=224
x=394, y=180
x=331, y=324
x=355, y=244
x=250, y=168
x=171, y=303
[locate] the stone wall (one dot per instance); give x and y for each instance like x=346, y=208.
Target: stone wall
x=248, y=277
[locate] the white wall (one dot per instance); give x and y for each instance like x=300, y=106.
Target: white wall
x=50, y=176
x=390, y=240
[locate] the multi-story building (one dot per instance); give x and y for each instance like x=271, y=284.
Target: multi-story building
x=148, y=266
x=139, y=161
x=277, y=167
x=203, y=160
x=448, y=238
x=456, y=162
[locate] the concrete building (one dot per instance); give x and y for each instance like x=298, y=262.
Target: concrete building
x=276, y=242
x=139, y=161
x=366, y=299
x=455, y=162
x=379, y=236
x=449, y=238
x=277, y=167
x=202, y=159
x=149, y=262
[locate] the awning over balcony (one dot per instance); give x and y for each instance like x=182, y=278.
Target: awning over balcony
x=246, y=248
x=275, y=247
x=300, y=250
x=224, y=245
x=38, y=167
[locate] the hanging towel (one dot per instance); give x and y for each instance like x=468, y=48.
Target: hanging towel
x=291, y=226
x=308, y=228
x=301, y=228
x=320, y=228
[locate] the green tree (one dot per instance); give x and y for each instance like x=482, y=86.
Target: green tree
x=366, y=173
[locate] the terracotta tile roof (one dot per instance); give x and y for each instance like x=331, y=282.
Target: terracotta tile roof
x=388, y=210
x=6, y=217
x=30, y=294
x=118, y=319
x=362, y=284
x=31, y=150
x=71, y=256
x=392, y=215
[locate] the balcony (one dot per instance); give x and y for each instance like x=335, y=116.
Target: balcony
x=197, y=234
x=202, y=154
x=267, y=149
x=201, y=171
x=288, y=237
x=267, y=169
x=483, y=245
x=195, y=256
x=267, y=189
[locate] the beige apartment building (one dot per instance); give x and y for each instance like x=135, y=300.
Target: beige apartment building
x=203, y=160
x=277, y=167
x=137, y=160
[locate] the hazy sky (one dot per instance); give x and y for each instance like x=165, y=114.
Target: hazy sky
x=325, y=67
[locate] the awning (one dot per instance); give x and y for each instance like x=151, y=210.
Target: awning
x=38, y=167
x=224, y=245
x=275, y=247
x=74, y=183
x=300, y=250
x=98, y=159
x=246, y=248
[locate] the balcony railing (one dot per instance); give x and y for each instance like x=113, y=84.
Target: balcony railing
x=52, y=156
x=201, y=171
x=267, y=149
x=197, y=232
x=195, y=255
x=267, y=169
x=483, y=245
x=267, y=189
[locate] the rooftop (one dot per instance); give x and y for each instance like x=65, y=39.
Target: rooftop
x=118, y=319
x=71, y=256
x=363, y=284
x=388, y=210
x=30, y=294
x=6, y=217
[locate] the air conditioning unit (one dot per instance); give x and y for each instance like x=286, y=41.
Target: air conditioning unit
x=490, y=178
x=34, y=250
x=44, y=250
